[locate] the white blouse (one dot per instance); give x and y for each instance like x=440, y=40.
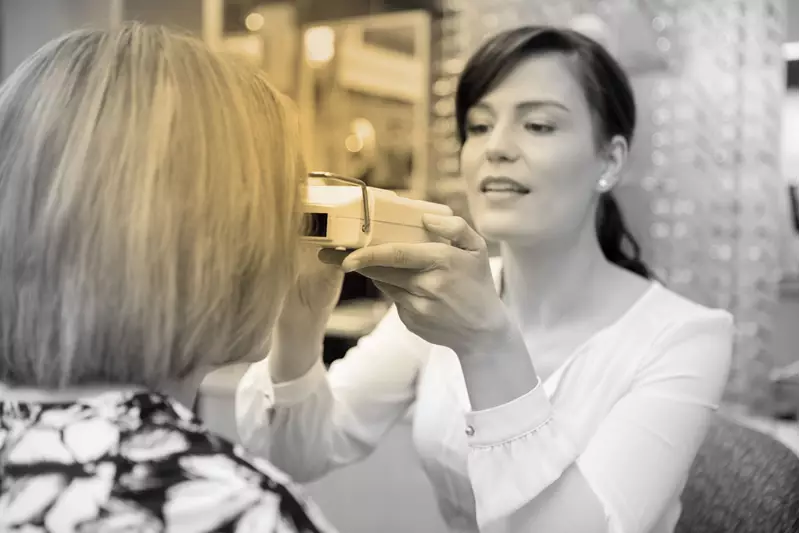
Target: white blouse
x=630, y=408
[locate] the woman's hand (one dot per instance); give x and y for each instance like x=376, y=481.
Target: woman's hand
x=311, y=300
x=444, y=293
x=300, y=330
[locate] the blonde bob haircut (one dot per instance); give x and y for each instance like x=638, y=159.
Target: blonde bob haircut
x=149, y=210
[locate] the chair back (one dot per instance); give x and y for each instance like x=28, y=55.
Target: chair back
x=742, y=481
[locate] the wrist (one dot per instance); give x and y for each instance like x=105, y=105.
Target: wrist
x=299, y=330
x=498, y=368
x=293, y=352
x=501, y=337
x=296, y=342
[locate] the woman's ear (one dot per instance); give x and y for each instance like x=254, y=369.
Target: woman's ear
x=615, y=155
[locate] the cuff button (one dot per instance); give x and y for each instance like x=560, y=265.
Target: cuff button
x=470, y=431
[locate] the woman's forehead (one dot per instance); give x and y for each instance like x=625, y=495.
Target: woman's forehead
x=544, y=80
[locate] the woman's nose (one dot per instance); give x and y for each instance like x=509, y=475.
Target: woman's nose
x=501, y=147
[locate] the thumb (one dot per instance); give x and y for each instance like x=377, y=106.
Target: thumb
x=456, y=230
x=310, y=263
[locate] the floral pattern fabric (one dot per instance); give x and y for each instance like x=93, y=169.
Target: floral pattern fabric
x=136, y=463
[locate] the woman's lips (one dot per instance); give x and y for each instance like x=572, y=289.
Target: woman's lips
x=502, y=185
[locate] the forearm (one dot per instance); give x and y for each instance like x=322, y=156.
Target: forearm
x=568, y=505
x=498, y=370
x=516, y=451
x=294, y=351
x=613, y=449
x=287, y=423
x=328, y=418
x=301, y=437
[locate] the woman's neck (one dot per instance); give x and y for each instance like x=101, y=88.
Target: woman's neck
x=182, y=391
x=549, y=282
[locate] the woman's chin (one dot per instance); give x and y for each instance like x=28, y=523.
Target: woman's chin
x=495, y=230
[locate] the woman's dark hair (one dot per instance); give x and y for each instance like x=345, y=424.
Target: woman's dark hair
x=608, y=92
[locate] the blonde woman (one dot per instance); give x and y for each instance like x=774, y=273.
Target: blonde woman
x=149, y=195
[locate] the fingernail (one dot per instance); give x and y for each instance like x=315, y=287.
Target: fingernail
x=430, y=219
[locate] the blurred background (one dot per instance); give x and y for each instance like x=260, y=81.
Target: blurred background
x=711, y=191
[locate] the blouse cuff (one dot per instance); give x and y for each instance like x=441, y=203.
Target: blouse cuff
x=291, y=392
x=500, y=424
x=517, y=450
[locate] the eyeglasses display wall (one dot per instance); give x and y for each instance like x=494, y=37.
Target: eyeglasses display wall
x=703, y=191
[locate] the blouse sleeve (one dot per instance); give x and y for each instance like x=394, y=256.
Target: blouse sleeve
x=640, y=454
x=327, y=419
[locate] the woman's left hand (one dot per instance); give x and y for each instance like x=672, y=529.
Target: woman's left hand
x=444, y=292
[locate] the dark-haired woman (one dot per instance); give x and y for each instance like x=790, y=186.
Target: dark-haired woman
x=558, y=388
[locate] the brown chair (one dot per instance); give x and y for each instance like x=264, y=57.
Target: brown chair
x=742, y=481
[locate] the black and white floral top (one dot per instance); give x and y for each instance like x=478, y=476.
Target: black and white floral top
x=136, y=462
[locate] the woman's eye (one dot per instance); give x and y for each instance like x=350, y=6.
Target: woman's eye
x=538, y=127
x=477, y=129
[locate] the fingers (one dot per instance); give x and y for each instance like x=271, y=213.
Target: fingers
x=403, y=300
x=424, y=256
x=425, y=284
x=329, y=256
x=455, y=229
x=391, y=292
x=390, y=276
